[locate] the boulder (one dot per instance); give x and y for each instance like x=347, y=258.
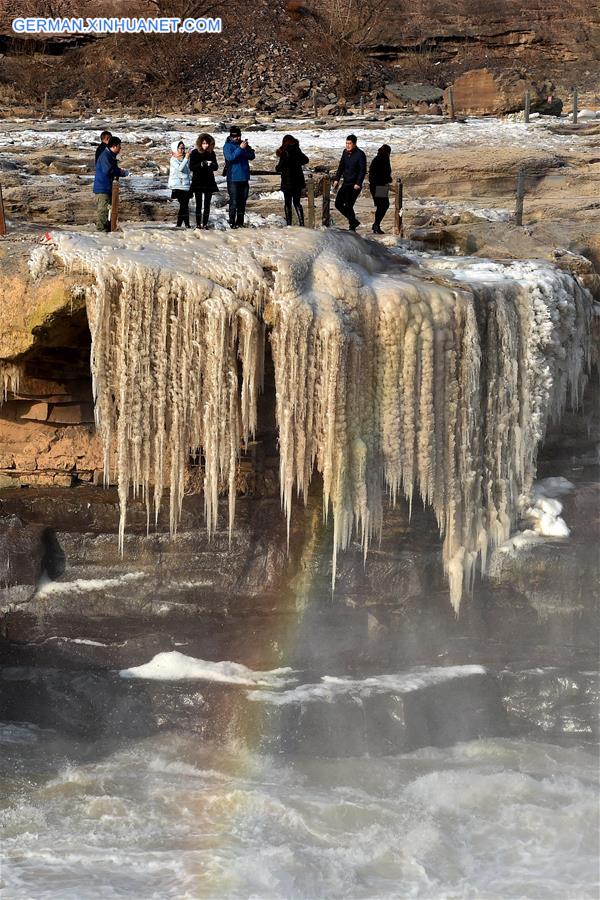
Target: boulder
x=70, y=104
x=301, y=88
x=481, y=92
x=413, y=93
x=428, y=109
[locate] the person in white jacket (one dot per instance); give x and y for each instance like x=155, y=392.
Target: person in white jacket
x=180, y=180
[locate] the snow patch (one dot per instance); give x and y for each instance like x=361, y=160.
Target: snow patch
x=47, y=588
x=175, y=666
x=555, y=486
x=546, y=519
x=39, y=261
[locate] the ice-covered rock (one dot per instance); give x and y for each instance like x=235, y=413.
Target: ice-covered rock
x=437, y=379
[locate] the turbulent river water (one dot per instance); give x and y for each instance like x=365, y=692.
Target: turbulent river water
x=173, y=816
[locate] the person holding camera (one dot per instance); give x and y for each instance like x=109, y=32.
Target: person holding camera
x=203, y=165
x=238, y=154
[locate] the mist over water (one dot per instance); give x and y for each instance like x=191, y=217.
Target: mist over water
x=173, y=816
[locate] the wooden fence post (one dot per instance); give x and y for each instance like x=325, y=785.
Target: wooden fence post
x=520, y=196
x=45, y=104
x=310, y=193
x=398, y=199
x=362, y=105
x=326, y=211
x=527, y=105
x=315, y=105
x=451, y=104
x=2, y=218
x=575, y=109
x=114, y=206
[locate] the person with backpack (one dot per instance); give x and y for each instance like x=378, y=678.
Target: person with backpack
x=289, y=166
x=180, y=180
x=351, y=172
x=106, y=172
x=380, y=178
x=203, y=165
x=238, y=154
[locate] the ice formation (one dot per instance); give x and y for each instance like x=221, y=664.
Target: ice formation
x=10, y=376
x=433, y=377
x=175, y=666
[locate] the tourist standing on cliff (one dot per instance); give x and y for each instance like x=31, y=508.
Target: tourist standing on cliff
x=180, y=180
x=105, y=136
x=291, y=160
x=238, y=154
x=380, y=178
x=351, y=172
x=106, y=172
x=203, y=165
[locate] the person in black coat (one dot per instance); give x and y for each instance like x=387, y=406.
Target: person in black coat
x=351, y=172
x=291, y=160
x=203, y=165
x=380, y=177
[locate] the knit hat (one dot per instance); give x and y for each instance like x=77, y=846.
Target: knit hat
x=235, y=131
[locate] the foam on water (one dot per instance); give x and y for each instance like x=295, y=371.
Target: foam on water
x=331, y=687
x=172, y=818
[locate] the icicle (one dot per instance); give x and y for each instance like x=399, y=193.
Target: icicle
x=436, y=380
x=10, y=376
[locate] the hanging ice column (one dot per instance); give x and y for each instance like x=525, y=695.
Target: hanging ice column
x=10, y=375
x=435, y=379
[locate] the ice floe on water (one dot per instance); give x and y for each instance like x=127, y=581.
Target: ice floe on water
x=175, y=666
x=331, y=687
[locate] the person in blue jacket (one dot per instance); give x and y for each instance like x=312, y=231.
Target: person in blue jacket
x=237, y=153
x=106, y=172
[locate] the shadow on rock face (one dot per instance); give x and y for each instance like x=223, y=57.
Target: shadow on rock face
x=53, y=562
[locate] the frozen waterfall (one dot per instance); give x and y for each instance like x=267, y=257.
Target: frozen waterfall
x=393, y=374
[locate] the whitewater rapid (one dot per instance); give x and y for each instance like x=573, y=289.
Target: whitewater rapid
x=167, y=817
